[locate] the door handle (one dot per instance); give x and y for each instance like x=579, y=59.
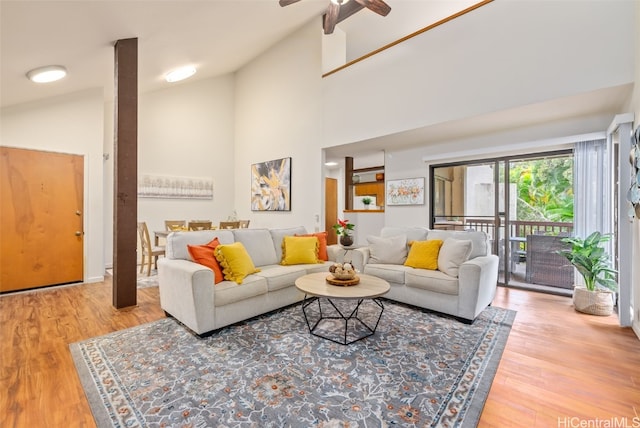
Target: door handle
x=78, y=233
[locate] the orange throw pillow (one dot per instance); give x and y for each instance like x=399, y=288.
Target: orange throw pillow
x=322, y=240
x=204, y=254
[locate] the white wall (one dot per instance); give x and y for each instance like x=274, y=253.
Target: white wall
x=71, y=124
x=503, y=55
x=278, y=114
x=497, y=58
x=406, y=164
x=183, y=131
x=187, y=131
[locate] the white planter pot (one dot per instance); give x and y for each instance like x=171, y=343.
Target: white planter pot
x=599, y=302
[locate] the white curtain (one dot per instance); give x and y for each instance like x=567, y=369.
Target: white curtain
x=593, y=188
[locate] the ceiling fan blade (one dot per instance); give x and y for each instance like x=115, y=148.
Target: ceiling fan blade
x=348, y=9
x=377, y=6
x=331, y=18
x=288, y=2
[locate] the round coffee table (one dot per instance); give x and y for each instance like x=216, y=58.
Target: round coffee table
x=317, y=289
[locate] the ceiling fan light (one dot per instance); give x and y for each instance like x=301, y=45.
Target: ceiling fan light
x=47, y=74
x=180, y=74
x=339, y=2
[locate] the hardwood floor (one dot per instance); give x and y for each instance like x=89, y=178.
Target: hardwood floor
x=559, y=367
x=38, y=381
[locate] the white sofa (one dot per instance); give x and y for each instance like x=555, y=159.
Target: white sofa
x=188, y=293
x=464, y=296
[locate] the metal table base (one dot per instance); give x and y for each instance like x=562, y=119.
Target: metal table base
x=346, y=318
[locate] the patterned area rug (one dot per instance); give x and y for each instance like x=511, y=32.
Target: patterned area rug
x=143, y=281
x=419, y=369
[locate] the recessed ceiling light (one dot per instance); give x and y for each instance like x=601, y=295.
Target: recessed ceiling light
x=331, y=164
x=47, y=74
x=180, y=74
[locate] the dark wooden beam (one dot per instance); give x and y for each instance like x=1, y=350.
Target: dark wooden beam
x=125, y=186
x=348, y=183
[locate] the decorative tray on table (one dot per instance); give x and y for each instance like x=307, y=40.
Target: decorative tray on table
x=344, y=282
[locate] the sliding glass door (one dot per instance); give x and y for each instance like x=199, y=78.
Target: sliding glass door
x=524, y=204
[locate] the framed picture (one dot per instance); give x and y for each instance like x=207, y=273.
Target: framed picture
x=271, y=185
x=407, y=191
x=160, y=186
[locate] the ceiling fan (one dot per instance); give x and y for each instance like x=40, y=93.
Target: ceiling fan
x=340, y=10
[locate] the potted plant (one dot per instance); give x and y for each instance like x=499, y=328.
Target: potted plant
x=366, y=201
x=588, y=256
x=343, y=229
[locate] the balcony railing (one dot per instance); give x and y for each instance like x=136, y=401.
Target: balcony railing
x=524, y=228
x=517, y=228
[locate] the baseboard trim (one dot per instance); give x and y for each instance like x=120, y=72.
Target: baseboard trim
x=94, y=279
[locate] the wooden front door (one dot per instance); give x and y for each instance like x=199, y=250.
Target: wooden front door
x=41, y=218
x=331, y=209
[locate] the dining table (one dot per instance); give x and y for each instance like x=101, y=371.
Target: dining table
x=157, y=234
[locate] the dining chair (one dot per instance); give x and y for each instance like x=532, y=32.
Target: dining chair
x=243, y=224
x=150, y=253
x=172, y=225
x=229, y=225
x=200, y=225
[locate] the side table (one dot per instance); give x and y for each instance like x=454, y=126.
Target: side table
x=345, y=255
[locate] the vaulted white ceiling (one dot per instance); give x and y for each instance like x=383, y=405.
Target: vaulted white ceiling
x=220, y=36
x=217, y=36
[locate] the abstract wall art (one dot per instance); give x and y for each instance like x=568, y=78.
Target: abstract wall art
x=271, y=185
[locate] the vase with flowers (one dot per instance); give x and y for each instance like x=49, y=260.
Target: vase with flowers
x=343, y=229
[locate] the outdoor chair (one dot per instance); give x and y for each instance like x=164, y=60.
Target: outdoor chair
x=544, y=265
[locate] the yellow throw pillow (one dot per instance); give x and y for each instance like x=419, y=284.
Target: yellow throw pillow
x=298, y=250
x=235, y=262
x=424, y=254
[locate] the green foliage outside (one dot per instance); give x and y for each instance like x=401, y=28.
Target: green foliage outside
x=545, y=189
